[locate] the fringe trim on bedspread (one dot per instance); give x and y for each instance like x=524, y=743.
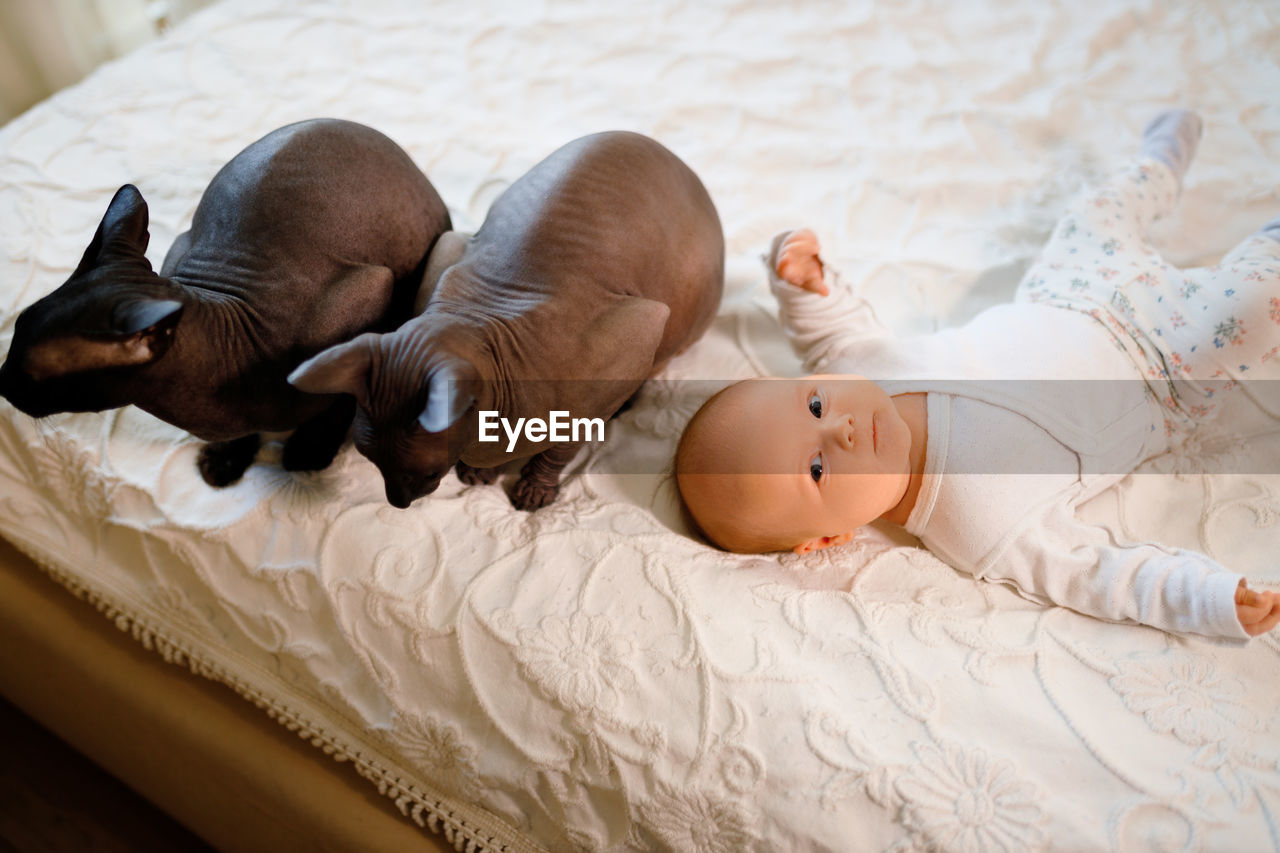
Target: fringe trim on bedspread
x=469, y=830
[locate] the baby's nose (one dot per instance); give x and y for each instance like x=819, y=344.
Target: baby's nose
x=842, y=430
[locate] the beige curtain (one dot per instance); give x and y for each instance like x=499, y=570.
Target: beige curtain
x=48, y=44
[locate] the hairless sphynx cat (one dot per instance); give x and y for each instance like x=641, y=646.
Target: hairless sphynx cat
x=313, y=234
x=588, y=274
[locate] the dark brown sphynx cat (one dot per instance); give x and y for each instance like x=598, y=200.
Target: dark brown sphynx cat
x=313, y=234
x=587, y=275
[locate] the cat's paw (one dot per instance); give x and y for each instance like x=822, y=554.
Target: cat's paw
x=530, y=495
x=222, y=463
x=303, y=455
x=475, y=476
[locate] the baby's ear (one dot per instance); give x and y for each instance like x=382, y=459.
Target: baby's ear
x=451, y=391
x=807, y=547
x=819, y=542
x=341, y=369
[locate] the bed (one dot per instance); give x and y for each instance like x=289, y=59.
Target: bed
x=590, y=676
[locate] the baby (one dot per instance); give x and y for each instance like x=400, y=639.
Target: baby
x=1104, y=353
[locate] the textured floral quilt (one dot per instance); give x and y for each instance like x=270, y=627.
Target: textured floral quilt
x=589, y=676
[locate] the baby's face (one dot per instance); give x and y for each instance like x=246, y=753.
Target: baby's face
x=818, y=456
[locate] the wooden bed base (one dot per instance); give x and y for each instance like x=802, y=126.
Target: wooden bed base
x=192, y=747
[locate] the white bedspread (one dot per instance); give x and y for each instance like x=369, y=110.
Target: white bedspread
x=589, y=676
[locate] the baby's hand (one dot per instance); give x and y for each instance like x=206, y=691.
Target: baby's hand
x=798, y=262
x=1258, y=612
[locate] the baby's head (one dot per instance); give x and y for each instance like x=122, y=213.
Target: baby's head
x=782, y=464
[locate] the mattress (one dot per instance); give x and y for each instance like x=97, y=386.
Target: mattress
x=591, y=676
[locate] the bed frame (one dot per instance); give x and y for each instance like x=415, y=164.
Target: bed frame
x=192, y=747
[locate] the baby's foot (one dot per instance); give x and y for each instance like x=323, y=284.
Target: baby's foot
x=1172, y=137
x=1272, y=229
x=797, y=261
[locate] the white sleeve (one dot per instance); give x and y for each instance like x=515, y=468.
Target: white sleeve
x=1075, y=564
x=820, y=328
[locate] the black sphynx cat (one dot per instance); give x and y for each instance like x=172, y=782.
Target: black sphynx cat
x=587, y=275
x=313, y=234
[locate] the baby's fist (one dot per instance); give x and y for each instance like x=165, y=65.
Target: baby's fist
x=798, y=262
x=1258, y=612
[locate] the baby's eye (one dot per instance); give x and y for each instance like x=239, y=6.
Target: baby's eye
x=815, y=405
x=815, y=467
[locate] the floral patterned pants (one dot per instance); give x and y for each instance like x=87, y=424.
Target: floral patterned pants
x=1194, y=333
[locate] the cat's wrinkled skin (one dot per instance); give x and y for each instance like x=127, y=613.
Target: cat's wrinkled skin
x=587, y=275
x=314, y=234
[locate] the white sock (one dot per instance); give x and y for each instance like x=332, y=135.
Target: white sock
x=1172, y=137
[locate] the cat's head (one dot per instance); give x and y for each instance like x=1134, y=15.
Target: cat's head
x=71, y=349
x=411, y=394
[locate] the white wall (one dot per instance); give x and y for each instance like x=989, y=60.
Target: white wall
x=48, y=44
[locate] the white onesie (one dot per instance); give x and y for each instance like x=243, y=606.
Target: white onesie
x=1035, y=406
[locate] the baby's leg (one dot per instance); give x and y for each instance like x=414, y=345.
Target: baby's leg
x=1252, y=270
x=1243, y=291
x=1127, y=206
x=1228, y=320
x=1270, y=231
x=1113, y=221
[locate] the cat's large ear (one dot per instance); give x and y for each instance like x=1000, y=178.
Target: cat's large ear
x=135, y=316
x=452, y=389
x=341, y=369
x=123, y=227
x=141, y=332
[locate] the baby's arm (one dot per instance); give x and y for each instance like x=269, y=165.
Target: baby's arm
x=1258, y=612
x=1075, y=564
x=798, y=262
x=821, y=316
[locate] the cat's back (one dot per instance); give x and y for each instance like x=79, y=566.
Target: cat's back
x=325, y=187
